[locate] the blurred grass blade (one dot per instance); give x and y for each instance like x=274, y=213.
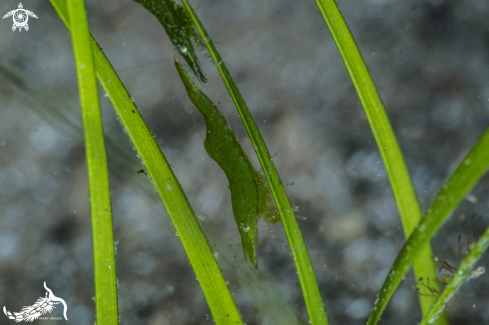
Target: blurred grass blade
x=307, y=278
x=402, y=187
x=470, y=170
x=199, y=253
x=464, y=272
x=100, y=207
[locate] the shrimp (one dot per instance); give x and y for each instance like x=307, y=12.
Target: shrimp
x=250, y=194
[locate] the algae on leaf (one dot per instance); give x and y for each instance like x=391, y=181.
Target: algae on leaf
x=179, y=28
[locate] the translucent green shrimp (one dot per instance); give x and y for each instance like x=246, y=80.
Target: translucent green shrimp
x=250, y=195
x=179, y=28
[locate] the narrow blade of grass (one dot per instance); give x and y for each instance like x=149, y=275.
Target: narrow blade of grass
x=307, y=278
x=402, y=187
x=463, y=273
x=470, y=170
x=199, y=253
x=100, y=207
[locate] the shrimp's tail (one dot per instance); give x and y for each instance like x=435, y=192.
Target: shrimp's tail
x=248, y=239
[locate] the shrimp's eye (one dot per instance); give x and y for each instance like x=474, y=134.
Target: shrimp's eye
x=246, y=228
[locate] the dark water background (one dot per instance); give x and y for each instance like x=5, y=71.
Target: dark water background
x=429, y=61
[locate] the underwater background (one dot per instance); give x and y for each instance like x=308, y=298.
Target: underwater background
x=429, y=61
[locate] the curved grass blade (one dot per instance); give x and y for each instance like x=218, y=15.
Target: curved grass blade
x=307, y=278
x=402, y=187
x=100, y=208
x=199, y=253
x=464, y=273
x=470, y=170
